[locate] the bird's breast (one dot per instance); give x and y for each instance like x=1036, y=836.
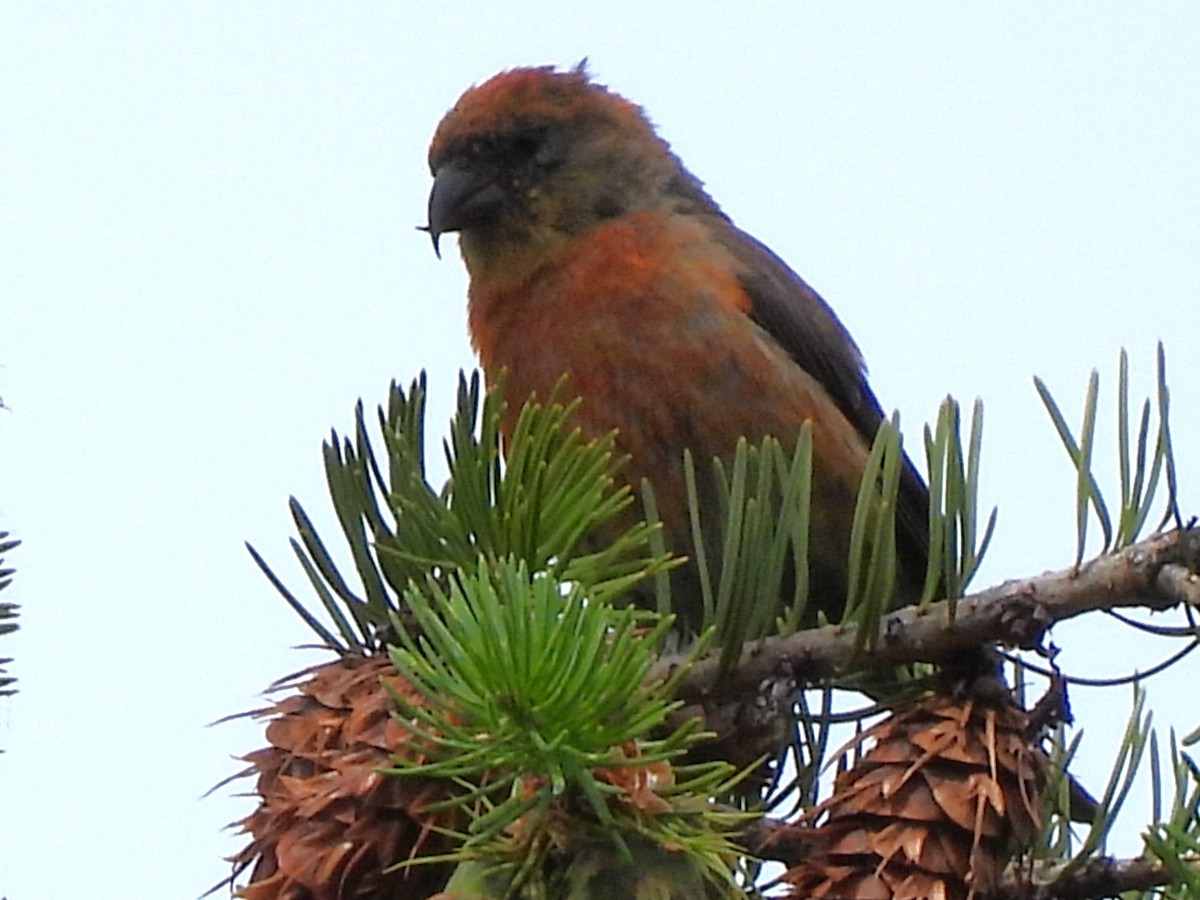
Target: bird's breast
x=648, y=321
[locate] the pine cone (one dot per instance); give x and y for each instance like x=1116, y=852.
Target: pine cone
x=329, y=822
x=932, y=810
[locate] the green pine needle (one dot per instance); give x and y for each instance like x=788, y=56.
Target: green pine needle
x=956, y=548
x=754, y=536
x=531, y=691
x=1176, y=841
x=872, y=565
x=1121, y=778
x=1138, y=476
x=535, y=497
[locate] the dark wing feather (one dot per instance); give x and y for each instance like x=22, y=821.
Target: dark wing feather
x=804, y=325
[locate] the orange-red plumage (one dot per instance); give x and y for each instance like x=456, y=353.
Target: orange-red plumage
x=593, y=253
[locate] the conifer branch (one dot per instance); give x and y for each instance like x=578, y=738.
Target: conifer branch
x=1101, y=876
x=1156, y=573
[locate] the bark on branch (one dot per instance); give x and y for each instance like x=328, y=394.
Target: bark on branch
x=1157, y=573
x=1102, y=876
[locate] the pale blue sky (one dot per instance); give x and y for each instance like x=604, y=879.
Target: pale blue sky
x=207, y=255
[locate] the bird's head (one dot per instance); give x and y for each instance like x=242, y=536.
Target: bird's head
x=535, y=156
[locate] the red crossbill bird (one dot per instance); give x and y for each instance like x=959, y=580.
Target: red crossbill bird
x=593, y=253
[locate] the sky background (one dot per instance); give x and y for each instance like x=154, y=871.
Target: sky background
x=208, y=255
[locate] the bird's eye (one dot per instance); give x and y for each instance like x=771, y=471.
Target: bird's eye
x=518, y=150
x=509, y=151
x=525, y=146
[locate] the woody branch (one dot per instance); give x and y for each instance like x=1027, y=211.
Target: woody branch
x=1156, y=573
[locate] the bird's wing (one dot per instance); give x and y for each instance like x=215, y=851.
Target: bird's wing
x=784, y=306
x=804, y=325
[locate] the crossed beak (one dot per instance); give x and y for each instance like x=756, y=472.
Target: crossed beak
x=460, y=198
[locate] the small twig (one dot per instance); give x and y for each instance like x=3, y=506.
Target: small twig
x=769, y=838
x=1102, y=876
x=1052, y=708
x=1015, y=613
x=1168, y=631
x=1116, y=680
